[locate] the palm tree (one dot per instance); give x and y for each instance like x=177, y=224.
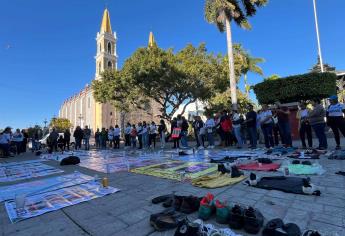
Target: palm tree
x=221, y=13
x=251, y=66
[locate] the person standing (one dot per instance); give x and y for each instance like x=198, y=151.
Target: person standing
x=304, y=125
x=86, y=137
x=134, y=134
x=145, y=135
x=111, y=136
x=17, y=139
x=61, y=143
x=162, y=129
x=184, y=132
x=98, y=138
x=209, y=126
x=153, y=134
x=276, y=131
x=117, y=132
x=236, y=124
x=103, y=138
x=251, y=126
x=78, y=135
x=67, y=138
x=335, y=118
x=25, y=140
x=5, y=140
x=128, y=130
x=267, y=126
x=283, y=114
x=174, y=128
x=317, y=121
x=140, y=135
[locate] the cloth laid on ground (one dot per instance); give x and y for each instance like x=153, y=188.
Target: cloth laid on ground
x=301, y=169
x=25, y=170
x=43, y=185
x=235, y=154
x=177, y=170
x=282, y=183
x=216, y=180
x=259, y=166
x=281, y=150
x=54, y=200
x=338, y=155
x=305, y=156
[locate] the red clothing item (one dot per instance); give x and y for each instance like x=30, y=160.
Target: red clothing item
x=259, y=166
x=226, y=125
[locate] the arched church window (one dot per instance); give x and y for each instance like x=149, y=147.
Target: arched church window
x=109, y=48
x=110, y=65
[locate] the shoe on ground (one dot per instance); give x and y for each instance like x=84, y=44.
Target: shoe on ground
x=236, y=217
x=253, y=220
x=222, y=212
x=166, y=220
x=206, y=207
x=337, y=148
x=221, y=168
x=189, y=204
x=235, y=172
x=271, y=226
x=311, y=233
x=187, y=228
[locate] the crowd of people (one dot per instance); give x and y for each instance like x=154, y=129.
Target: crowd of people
x=269, y=125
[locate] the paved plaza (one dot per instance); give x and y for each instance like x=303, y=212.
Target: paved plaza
x=127, y=212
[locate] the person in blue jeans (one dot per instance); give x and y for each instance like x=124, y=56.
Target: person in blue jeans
x=317, y=121
x=283, y=114
x=266, y=124
x=251, y=117
x=184, y=132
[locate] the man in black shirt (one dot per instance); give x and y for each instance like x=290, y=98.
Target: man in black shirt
x=251, y=126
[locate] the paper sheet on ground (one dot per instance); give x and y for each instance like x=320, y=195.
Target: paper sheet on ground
x=177, y=170
x=51, y=201
x=25, y=170
x=43, y=185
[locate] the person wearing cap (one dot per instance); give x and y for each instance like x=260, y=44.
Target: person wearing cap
x=335, y=118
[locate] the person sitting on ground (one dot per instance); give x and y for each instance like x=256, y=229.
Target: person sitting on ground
x=335, y=118
x=5, y=139
x=61, y=143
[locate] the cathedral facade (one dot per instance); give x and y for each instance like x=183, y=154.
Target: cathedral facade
x=82, y=109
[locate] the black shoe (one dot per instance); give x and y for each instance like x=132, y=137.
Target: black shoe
x=291, y=229
x=264, y=160
x=221, y=168
x=190, y=204
x=166, y=220
x=235, y=172
x=236, y=217
x=187, y=228
x=311, y=233
x=253, y=220
x=271, y=226
x=160, y=199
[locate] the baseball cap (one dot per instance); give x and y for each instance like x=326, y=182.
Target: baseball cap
x=333, y=97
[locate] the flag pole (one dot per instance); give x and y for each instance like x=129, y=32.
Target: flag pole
x=318, y=36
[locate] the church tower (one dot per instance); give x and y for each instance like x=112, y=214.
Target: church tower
x=106, y=57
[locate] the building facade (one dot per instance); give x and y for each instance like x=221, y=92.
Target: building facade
x=82, y=109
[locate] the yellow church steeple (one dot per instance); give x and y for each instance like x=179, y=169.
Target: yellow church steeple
x=106, y=26
x=151, y=40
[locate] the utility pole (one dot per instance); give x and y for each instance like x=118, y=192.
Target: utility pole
x=318, y=36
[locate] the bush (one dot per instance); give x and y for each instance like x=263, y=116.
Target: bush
x=296, y=88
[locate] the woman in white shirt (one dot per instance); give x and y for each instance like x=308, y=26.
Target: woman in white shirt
x=128, y=130
x=117, y=132
x=266, y=124
x=209, y=126
x=304, y=125
x=153, y=133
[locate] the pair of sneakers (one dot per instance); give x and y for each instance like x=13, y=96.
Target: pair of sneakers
x=198, y=228
x=232, y=170
x=249, y=219
x=210, y=206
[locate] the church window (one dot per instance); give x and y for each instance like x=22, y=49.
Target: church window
x=110, y=65
x=109, y=48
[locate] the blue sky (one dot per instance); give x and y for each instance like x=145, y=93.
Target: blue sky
x=47, y=48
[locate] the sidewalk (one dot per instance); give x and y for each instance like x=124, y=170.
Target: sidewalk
x=127, y=213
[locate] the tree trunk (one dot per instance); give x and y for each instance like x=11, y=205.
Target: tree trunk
x=231, y=65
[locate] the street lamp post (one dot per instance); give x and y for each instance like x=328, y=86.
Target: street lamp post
x=318, y=36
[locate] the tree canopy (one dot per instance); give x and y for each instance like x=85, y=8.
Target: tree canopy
x=60, y=124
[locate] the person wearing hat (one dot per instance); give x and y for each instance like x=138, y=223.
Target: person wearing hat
x=335, y=118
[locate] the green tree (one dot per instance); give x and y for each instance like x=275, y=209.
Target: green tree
x=167, y=78
x=221, y=13
x=272, y=77
x=251, y=66
x=60, y=124
x=35, y=129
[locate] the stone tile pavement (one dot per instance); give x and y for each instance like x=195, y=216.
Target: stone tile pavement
x=126, y=213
